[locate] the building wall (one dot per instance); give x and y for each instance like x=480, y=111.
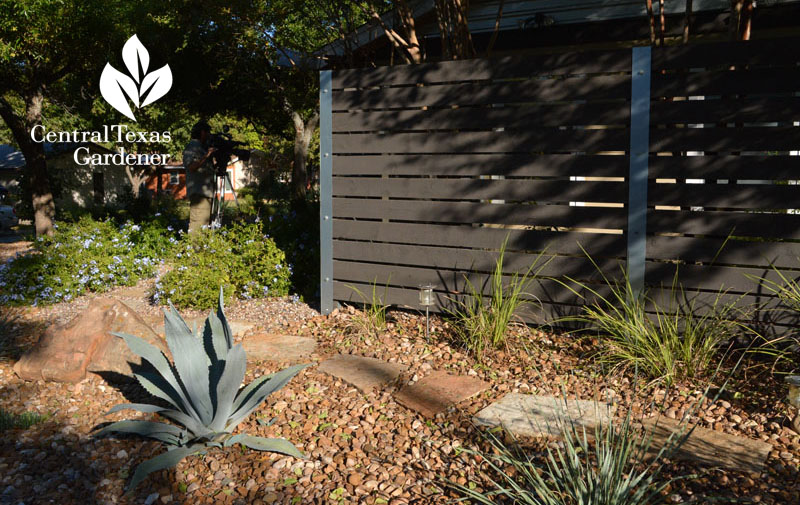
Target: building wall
x=76, y=183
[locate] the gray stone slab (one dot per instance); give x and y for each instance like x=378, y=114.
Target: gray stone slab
x=364, y=373
x=710, y=447
x=280, y=348
x=531, y=415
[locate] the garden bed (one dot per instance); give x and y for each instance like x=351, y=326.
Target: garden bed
x=360, y=448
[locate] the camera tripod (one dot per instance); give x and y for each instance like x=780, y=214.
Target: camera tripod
x=221, y=181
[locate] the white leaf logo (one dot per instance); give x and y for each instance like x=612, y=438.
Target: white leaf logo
x=117, y=88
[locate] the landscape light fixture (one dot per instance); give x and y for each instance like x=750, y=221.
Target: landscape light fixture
x=794, y=397
x=426, y=300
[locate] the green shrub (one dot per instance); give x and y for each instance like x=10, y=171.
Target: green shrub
x=239, y=258
x=479, y=323
x=11, y=421
x=202, y=386
x=615, y=469
x=83, y=256
x=678, y=339
x=295, y=229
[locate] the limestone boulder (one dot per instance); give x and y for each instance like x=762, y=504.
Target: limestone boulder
x=65, y=353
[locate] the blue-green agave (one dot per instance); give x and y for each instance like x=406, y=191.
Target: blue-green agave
x=203, y=386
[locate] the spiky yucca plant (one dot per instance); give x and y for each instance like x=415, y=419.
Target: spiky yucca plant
x=203, y=385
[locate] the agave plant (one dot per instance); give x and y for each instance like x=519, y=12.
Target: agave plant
x=202, y=385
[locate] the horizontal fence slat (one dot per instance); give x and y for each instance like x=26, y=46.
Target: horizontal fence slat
x=750, y=109
x=454, y=281
x=724, y=167
x=720, y=278
x=595, y=244
x=778, y=138
x=510, y=67
x=535, y=140
x=741, y=82
x=467, y=260
x=546, y=114
x=512, y=165
x=464, y=212
x=780, y=51
x=724, y=250
x=722, y=224
x=443, y=95
x=764, y=196
x=475, y=189
x=543, y=310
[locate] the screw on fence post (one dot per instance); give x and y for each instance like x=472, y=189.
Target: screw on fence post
x=326, y=192
x=637, y=176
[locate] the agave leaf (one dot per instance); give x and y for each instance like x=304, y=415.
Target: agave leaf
x=163, y=368
x=159, y=431
x=160, y=462
x=225, y=326
x=196, y=428
x=229, y=383
x=279, y=445
x=157, y=386
x=190, y=361
x=250, y=398
x=214, y=338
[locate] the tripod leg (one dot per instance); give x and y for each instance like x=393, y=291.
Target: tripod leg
x=235, y=199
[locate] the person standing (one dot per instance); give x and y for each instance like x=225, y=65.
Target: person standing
x=199, y=176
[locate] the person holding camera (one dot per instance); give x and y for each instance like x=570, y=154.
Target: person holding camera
x=200, y=181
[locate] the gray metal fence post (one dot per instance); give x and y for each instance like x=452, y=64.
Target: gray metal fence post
x=637, y=176
x=326, y=191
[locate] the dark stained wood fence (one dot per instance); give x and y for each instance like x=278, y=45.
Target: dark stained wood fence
x=435, y=165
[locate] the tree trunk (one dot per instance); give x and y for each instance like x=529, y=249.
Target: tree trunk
x=736, y=18
x=44, y=209
x=748, y=19
x=652, y=17
x=303, y=131
x=687, y=21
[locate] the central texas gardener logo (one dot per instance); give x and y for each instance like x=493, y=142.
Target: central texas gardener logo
x=117, y=88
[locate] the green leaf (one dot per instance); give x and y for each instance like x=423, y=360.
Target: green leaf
x=214, y=338
x=190, y=361
x=250, y=398
x=229, y=383
x=160, y=462
x=279, y=445
x=163, y=368
x=197, y=429
x=226, y=329
x=159, y=431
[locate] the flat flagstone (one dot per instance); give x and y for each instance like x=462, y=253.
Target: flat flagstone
x=439, y=390
x=531, y=415
x=711, y=447
x=364, y=373
x=276, y=347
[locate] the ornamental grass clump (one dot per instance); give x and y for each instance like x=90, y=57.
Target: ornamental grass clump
x=479, y=323
x=676, y=339
x=202, y=385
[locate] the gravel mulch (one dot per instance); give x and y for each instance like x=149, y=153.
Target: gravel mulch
x=364, y=449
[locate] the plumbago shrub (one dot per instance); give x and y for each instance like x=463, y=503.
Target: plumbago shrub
x=240, y=259
x=84, y=256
